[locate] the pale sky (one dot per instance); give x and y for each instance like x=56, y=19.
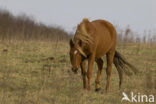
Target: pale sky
x=139, y=14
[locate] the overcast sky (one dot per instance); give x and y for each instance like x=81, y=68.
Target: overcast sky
x=139, y=14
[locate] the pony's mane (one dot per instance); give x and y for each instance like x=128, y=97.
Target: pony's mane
x=82, y=34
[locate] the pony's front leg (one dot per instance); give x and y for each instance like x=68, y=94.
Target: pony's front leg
x=84, y=74
x=90, y=68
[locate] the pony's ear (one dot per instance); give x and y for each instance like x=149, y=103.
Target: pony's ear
x=71, y=43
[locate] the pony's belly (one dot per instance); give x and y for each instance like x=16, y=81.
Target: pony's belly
x=100, y=54
x=102, y=51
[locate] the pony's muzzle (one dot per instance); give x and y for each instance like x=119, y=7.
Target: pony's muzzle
x=75, y=70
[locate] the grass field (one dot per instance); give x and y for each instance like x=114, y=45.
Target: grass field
x=35, y=72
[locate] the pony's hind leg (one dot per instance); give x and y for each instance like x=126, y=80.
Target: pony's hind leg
x=110, y=57
x=97, y=81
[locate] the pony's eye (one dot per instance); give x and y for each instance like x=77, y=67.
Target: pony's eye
x=75, y=52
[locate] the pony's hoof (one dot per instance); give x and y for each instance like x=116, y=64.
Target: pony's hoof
x=97, y=89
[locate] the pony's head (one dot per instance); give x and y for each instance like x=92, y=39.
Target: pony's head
x=82, y=39
x=76, y=56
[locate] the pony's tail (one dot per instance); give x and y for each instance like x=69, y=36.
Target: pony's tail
x=122, y=66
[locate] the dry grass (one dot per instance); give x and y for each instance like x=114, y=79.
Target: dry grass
x=35, y=66
x=36, y=72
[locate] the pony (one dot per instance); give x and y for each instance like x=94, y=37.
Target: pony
x=91, y=41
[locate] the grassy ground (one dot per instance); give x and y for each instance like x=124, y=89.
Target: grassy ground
x=39, y=73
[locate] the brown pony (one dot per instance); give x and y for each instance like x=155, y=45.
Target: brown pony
x=91, y=41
